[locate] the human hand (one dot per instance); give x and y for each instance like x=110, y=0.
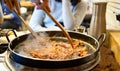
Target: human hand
x=13, y=5
x=41, y=4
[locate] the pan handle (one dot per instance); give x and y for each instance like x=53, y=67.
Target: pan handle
x=101, y=39
x=8, y=35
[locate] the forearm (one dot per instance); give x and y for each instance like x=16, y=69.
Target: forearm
x=68, y=17
x=9, y=16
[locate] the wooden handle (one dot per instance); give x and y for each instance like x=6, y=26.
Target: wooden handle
x=28, y=27
x=60, y=26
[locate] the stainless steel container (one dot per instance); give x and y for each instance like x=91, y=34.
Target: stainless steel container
x=98, y=21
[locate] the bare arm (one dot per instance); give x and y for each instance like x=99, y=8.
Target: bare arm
x=9, y=16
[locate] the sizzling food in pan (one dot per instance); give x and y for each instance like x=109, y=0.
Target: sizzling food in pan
x=56, y=48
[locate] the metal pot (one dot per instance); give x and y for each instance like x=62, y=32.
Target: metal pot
x=42, y=63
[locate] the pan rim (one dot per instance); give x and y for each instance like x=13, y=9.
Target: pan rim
x=54, y=60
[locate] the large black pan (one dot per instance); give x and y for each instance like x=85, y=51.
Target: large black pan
x=42, y=63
